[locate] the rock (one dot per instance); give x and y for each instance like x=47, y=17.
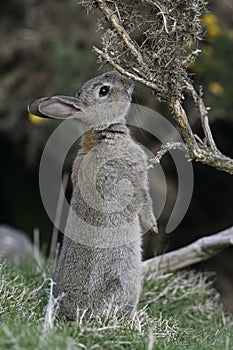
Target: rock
x=14, y=244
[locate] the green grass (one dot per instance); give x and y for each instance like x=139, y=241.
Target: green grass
x=176, y=311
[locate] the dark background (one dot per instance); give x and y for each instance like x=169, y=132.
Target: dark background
x=46, y=48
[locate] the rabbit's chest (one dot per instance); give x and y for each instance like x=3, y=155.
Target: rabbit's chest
x=108, y=173
x=108, y=162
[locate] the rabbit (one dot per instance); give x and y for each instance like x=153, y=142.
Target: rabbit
x=99, y=267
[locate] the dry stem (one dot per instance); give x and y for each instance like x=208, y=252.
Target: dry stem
x=203, y=112
x=199, y=152
x=164, y=149
x=203, y=249
x=120, y=69
x=57, y=217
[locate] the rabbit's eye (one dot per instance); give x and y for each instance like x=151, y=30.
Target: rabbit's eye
x=104, y=90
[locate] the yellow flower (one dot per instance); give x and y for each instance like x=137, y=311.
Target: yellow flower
x=196, y=68
x=207, y=50
x=215, y=88
x=34, y=119
x=210, y=22
x=209, y=19
x=214, y=31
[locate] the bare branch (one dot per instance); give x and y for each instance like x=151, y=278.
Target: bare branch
x=122, y=32
x=199, y=152
x=120, y=69
x=181, y=119
x=203, y=112
x=203, y=249
x=156, y=3
x=164, y=149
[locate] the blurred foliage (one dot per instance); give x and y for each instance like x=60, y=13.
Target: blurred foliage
x=214, y=65
x=68, y=63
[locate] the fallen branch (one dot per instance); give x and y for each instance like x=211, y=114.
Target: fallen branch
x=203, y=249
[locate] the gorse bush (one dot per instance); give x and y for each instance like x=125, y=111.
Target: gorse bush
x=162, y=38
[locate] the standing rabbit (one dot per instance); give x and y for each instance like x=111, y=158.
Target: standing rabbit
x=100, y=261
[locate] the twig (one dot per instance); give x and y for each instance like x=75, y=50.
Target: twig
x=181, y=119
x=165, y=21
x=203, y=249
x=203, y=115
x=157, y=4
x=51, y=309
x=198, y=152
x=57, y=217
x=164, y=149
x=111, y=17
x=36, y=242
x=105, y=56
x=10, y=335
x=36, y=247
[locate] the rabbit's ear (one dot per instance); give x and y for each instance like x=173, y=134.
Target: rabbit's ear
x=60, y=107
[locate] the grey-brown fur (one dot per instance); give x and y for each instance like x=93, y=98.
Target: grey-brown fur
x=100, y=260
